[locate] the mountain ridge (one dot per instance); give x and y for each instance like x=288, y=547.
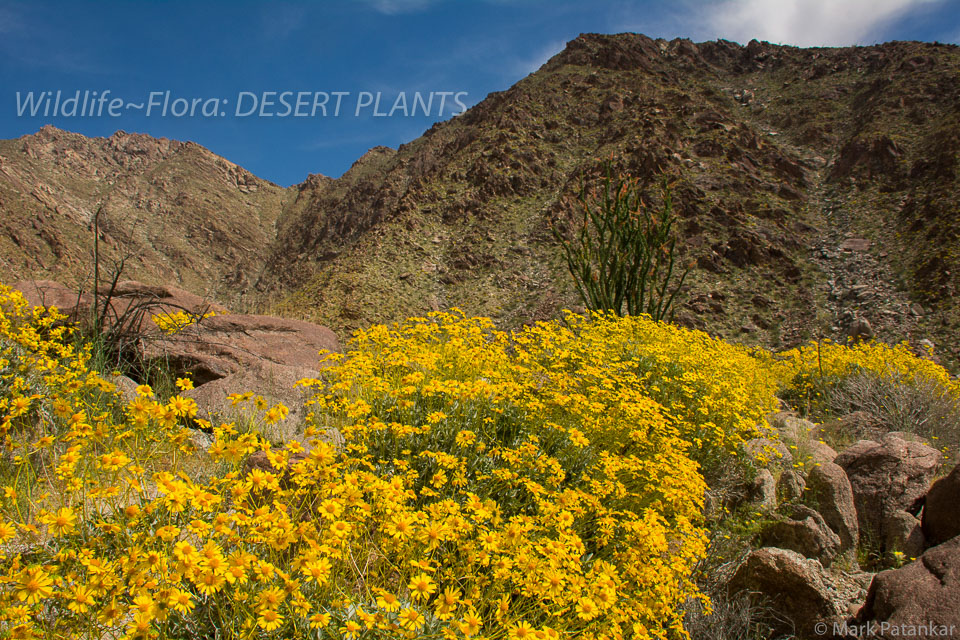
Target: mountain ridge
x=162, y=203
x=813, y=189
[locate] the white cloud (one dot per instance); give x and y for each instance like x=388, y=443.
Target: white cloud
x=394, y=7
x=807, y=22
x=526, y=65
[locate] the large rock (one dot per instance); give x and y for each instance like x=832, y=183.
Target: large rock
x=941, y=511
x=805, y=434
x=223, y=354
x=902, y=532
x=821, y=452
x=129, y=296
x=49, y=293
x=803, y=531
x=130, y=302
x=887, y=476
x=829, y=489
x=769, y=452
x=794, y=586
x=790, y=486
x=126, y=386
x=793, y=428
x=214, y=348
x=924, y=592
x=763, y=490
x=225, y=345
x=276, y=383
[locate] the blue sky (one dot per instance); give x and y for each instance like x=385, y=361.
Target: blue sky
x=229, y=57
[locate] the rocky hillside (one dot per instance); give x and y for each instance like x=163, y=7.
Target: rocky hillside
x=814, y=186
x=816, y=189
x=174, y=211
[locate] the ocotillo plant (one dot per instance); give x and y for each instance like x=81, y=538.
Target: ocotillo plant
x=623, y=256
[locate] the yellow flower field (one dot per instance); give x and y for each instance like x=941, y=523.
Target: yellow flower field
x=543, y=483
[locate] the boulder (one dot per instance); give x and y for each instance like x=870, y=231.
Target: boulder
x=769, y=451
x=941, y=514
x=808, y=436
x=126, y=386
x=224, y=345
x=887, y=476
x=259, y=460
x=859, y=330
x=828, y=488
x=920, y=599
x=129, y=295
x=794, y=586
x=792, y=427
x=790, y=486
x=821, y=452
x=276, y=383
x=803, y=531
x=125, y=299
x=49, y=293
x=763, y=491
x=902, y=532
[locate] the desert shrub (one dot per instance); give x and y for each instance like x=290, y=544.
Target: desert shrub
x=61, y=419
x=576, y=470
x=923, y=406
x=738, y=616
x=896, y=389
x=717, y=394
x=623, y=251
x=488, y=483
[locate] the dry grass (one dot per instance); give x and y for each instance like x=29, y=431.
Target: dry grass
x=733, y=617
x=921, y=406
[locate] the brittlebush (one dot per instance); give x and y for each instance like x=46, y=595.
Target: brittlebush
x=898, y=388
x=176, y=321
x=538, y=484
x=809, y=372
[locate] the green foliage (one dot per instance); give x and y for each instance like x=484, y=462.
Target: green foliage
x=623, y=257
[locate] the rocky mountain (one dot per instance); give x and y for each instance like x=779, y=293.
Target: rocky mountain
x=173, y=211
x=815, y=188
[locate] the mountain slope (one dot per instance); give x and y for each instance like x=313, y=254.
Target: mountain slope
x=778, y=156
x=175, y=211
x=816, y=189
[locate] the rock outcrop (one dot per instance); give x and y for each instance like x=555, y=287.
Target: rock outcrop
x=130, y=302
x=275, y=383
x=222, y=354
x=802, y=530
x=941, y=511
x=790, y=486
x=829, y=489
x=923, y=594
x=887, y=476
x=795, y=587
x=763, y=490
x=902, y=533
x=225, y=345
